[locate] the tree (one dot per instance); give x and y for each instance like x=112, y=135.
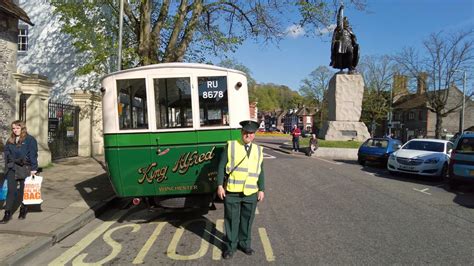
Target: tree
x=315, y=87
x=185, y=30
x=377, y=72
x=445, y=57
x=233, y=64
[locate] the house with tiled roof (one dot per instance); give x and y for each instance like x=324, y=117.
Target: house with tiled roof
x=413, y=119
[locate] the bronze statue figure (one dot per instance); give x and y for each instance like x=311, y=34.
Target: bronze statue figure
x=344, y=46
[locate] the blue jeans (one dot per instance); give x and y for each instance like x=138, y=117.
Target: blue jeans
x=296, y=143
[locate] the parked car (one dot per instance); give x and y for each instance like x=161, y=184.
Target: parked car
x=427, y=157
x=461, y=164
x=377, y=150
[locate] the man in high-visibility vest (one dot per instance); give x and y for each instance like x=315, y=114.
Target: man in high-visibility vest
x=242, y=164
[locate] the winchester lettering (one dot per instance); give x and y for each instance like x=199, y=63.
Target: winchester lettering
x=181, y=166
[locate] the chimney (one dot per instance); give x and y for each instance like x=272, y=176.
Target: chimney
x=421, y=83
x=400, y=86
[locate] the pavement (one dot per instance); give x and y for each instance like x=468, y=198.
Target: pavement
x=329, y=153
x=76, y=190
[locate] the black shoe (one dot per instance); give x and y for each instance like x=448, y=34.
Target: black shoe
x=248, y=251
x=7, y=217
x=227, y=254
x=23, y=211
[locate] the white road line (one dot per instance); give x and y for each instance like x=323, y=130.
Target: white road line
x=268, y=156
x=423, y=190
x=256, y=211
x=338, y=163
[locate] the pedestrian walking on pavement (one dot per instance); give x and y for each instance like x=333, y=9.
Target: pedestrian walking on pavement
x=296, y=133
x=241, y=183
x=21, y=158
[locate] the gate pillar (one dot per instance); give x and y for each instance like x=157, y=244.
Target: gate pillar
x=91, y=141
x=36, y=88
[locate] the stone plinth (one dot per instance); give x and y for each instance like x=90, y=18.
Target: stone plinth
x=345, y=95
x=345, y=130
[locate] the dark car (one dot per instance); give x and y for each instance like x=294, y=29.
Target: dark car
x=377, y=150
x=461, y=163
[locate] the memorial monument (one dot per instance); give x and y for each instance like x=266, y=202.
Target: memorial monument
x=346, y=90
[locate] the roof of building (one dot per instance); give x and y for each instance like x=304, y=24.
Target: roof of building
x=15, y=11
x=411, y=101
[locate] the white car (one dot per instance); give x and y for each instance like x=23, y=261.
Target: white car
x=428, y=157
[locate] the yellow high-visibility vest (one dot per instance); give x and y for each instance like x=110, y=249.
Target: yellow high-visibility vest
x=244, y=176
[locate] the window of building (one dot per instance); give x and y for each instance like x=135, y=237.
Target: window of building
x=213, y=101
x=411, y=115
x=173, y=103
x=23, y=38
x=131, y=100
x=420, y=116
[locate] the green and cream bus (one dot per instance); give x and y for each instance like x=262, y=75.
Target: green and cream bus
x=165, y=127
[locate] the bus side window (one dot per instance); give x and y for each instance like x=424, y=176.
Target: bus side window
x=131, y=101
x=173, y=103
x=213, y=101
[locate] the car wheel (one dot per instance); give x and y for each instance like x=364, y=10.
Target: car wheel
x=444, y=172
x=361, y=162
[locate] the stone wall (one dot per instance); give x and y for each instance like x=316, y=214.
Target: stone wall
x=8, y=48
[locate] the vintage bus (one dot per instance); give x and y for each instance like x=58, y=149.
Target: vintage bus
x=165, y=127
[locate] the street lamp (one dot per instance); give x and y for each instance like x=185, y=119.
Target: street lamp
x=119, y=59
x=461, y=122
x=390, y=112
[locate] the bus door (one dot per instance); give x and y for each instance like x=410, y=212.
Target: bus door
x=175, y=140
x=214, y=127
x=130, y=152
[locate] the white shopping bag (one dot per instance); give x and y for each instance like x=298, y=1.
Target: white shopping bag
x=32, y=192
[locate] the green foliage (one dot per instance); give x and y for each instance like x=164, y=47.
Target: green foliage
x=174, y=31
x=272, y=97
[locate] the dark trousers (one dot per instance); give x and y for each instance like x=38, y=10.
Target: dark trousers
x=239, y=212
x=296, y=143
x=15, y=192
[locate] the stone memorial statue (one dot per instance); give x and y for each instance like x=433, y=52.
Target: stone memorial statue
x=344, y=47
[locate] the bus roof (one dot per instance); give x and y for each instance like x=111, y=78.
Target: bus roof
x=174, y=65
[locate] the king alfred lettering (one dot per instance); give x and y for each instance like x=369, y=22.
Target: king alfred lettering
x=181, y=166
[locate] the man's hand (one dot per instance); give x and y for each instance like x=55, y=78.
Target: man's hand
x=260, y=195
x=32, y=173
x=221, y=192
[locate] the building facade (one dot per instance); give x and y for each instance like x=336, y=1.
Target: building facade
x=413, y=119
x=46, y=51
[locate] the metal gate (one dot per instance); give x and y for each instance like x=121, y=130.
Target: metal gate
x=63, y=130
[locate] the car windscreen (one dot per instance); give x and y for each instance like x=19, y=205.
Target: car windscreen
x=377, y=143
x=465, y=145
x=424, y=146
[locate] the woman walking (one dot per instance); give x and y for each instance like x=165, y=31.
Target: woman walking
x=21, y=157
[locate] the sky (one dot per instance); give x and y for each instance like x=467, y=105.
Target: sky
x=384, y=28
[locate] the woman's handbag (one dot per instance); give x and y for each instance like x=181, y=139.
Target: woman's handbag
x=32, y=192
x=22, y=171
